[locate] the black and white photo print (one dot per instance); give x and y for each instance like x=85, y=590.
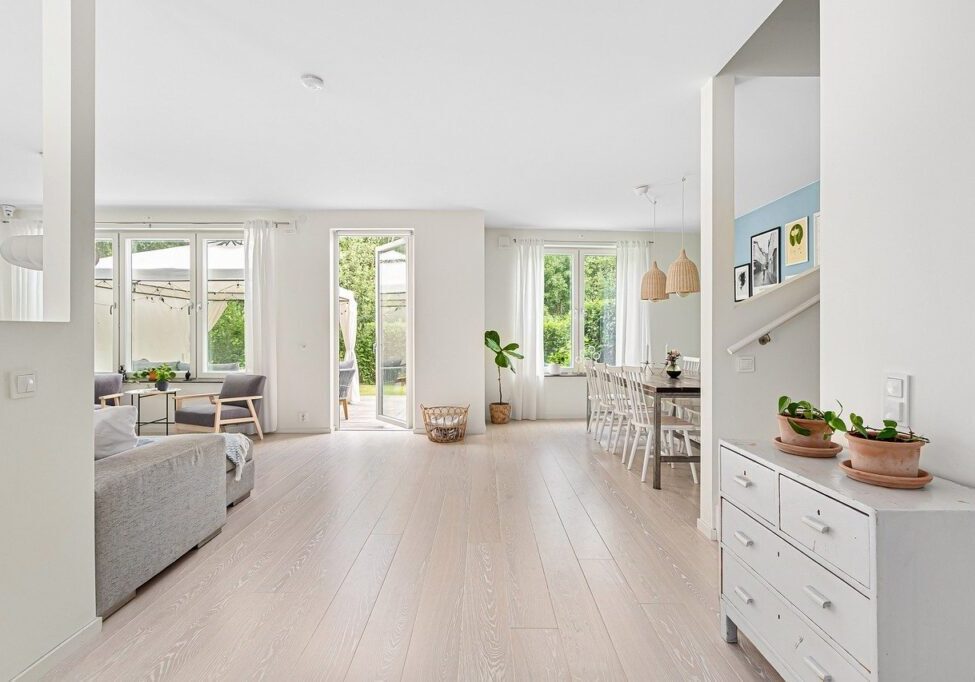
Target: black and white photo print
x=766, y=269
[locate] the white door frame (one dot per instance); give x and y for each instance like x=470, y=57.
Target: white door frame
x=334, y=331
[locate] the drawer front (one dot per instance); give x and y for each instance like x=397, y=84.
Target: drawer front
x=842, y=612
x=749, y=484
x=830, y=529
x=806, y=653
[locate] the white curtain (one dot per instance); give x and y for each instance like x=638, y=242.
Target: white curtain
x=529, y=294
x=21, y=290
x=261, y=313
x=632, y=314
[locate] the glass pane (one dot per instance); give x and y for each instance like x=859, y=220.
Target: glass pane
x=161, y=320
x=599, y=330
x=104, y=305
x=391, y=274
x=225, y=305
x=557, y=320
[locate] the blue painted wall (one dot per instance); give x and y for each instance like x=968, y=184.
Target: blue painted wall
x=802, y=202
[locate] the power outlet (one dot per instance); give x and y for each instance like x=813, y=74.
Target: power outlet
x=302, y=417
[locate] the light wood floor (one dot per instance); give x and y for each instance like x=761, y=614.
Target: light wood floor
x=527, y=554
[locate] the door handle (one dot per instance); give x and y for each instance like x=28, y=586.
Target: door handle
x=819, y=671
x=815, y=524
x=744, y=596
x=742, y=481
x=743, y=539
x=817, y=596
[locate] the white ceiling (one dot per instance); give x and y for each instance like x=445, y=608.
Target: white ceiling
x=776, y=138
x=542, y=114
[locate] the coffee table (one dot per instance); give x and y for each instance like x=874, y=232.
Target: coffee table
x=137, y=395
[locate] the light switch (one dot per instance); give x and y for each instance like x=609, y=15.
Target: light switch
x=897, y=397
x=745, y=363
x=23, y=383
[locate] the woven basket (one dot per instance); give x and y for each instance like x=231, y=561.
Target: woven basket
x=445, y=424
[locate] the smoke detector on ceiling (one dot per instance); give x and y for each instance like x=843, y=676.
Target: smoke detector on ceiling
x=312, y=82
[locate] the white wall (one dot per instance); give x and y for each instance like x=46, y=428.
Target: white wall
x=47, y=562
x=897, y=181
x=448, y=317
x=741, y=405
x=675, y=321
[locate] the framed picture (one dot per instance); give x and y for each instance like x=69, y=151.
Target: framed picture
x=815, y=230
x=743, y=282
x=797, y=241
x=766, y=265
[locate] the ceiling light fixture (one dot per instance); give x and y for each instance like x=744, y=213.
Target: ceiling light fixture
x=312, y=82
x=654, y=284
x=682, y=275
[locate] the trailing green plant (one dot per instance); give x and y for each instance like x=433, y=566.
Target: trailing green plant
x=803, y=409
x=502, y=355
x=889, y=433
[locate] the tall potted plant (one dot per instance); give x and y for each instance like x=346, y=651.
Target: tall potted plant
x=501, y=411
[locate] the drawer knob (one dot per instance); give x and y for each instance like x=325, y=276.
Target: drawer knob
x=815, y=524
x=742, y=481
x=817, y=596
x=743, y=539
x=744, y=596
x=817, y=669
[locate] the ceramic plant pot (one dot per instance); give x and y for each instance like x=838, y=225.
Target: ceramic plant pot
x=162, y=385
x=500, y=413
x=819, y=433
x=888, y=458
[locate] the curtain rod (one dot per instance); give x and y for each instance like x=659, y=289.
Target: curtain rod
x=570, y=243
x=150, y=223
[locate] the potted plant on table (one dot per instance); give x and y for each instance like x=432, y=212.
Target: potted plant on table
x=888, y=451
x=160, y=376
x=501, y=411
x=803, y=424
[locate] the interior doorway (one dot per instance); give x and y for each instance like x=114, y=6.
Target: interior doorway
x=373, y=341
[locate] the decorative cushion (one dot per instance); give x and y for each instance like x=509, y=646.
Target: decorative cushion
x=203, y=414
x=114, y=431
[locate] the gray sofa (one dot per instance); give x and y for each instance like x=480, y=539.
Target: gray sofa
x=152, y=505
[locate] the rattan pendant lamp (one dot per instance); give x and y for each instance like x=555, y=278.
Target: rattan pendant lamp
x=682, y=275
x=654, y=284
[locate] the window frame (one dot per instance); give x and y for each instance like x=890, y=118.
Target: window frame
x=577, y=286
x=122, y=284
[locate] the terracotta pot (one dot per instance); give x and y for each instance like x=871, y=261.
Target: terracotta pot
x=500, y=413
x=888, y=458
x=819, y=433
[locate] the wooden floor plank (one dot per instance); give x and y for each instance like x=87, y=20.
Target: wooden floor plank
x=529, y=553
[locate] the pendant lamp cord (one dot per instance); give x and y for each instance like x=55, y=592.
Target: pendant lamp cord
x=653, y=230
x=683, y=185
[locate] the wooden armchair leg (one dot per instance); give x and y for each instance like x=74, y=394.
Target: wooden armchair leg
x=257, y=422
x=345, y=407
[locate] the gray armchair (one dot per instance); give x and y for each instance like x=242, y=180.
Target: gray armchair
x=108, y=388
x=346, y=372
x=234, y=404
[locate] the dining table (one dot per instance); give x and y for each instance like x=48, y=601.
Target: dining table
x=662, y=386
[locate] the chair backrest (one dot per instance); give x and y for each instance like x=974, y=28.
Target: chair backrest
x=107, y=383
x=241, y=386
x=345, y=380
x=691, y=366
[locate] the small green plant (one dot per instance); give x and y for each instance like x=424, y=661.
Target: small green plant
x=803, y=409
x=160, y=373
x=889, y=432
x=502, y=355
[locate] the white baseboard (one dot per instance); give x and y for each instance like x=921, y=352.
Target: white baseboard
x=52, y=658
x=305, y=429
x=706, y=530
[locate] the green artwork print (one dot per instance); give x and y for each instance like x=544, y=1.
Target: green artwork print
x=797, y=250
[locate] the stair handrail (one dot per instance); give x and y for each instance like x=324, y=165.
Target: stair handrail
x=777, y=322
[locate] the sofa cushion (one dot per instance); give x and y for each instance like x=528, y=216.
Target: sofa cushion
x=114, y=430
x=202, y=415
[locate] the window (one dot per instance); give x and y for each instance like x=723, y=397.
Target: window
x=579, y=312
x=182, y=302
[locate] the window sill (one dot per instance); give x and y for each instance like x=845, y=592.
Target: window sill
x=565, y=374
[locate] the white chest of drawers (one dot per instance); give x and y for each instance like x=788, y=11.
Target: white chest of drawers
x=835, y=580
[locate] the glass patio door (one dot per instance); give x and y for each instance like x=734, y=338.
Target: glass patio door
x=392, y=333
